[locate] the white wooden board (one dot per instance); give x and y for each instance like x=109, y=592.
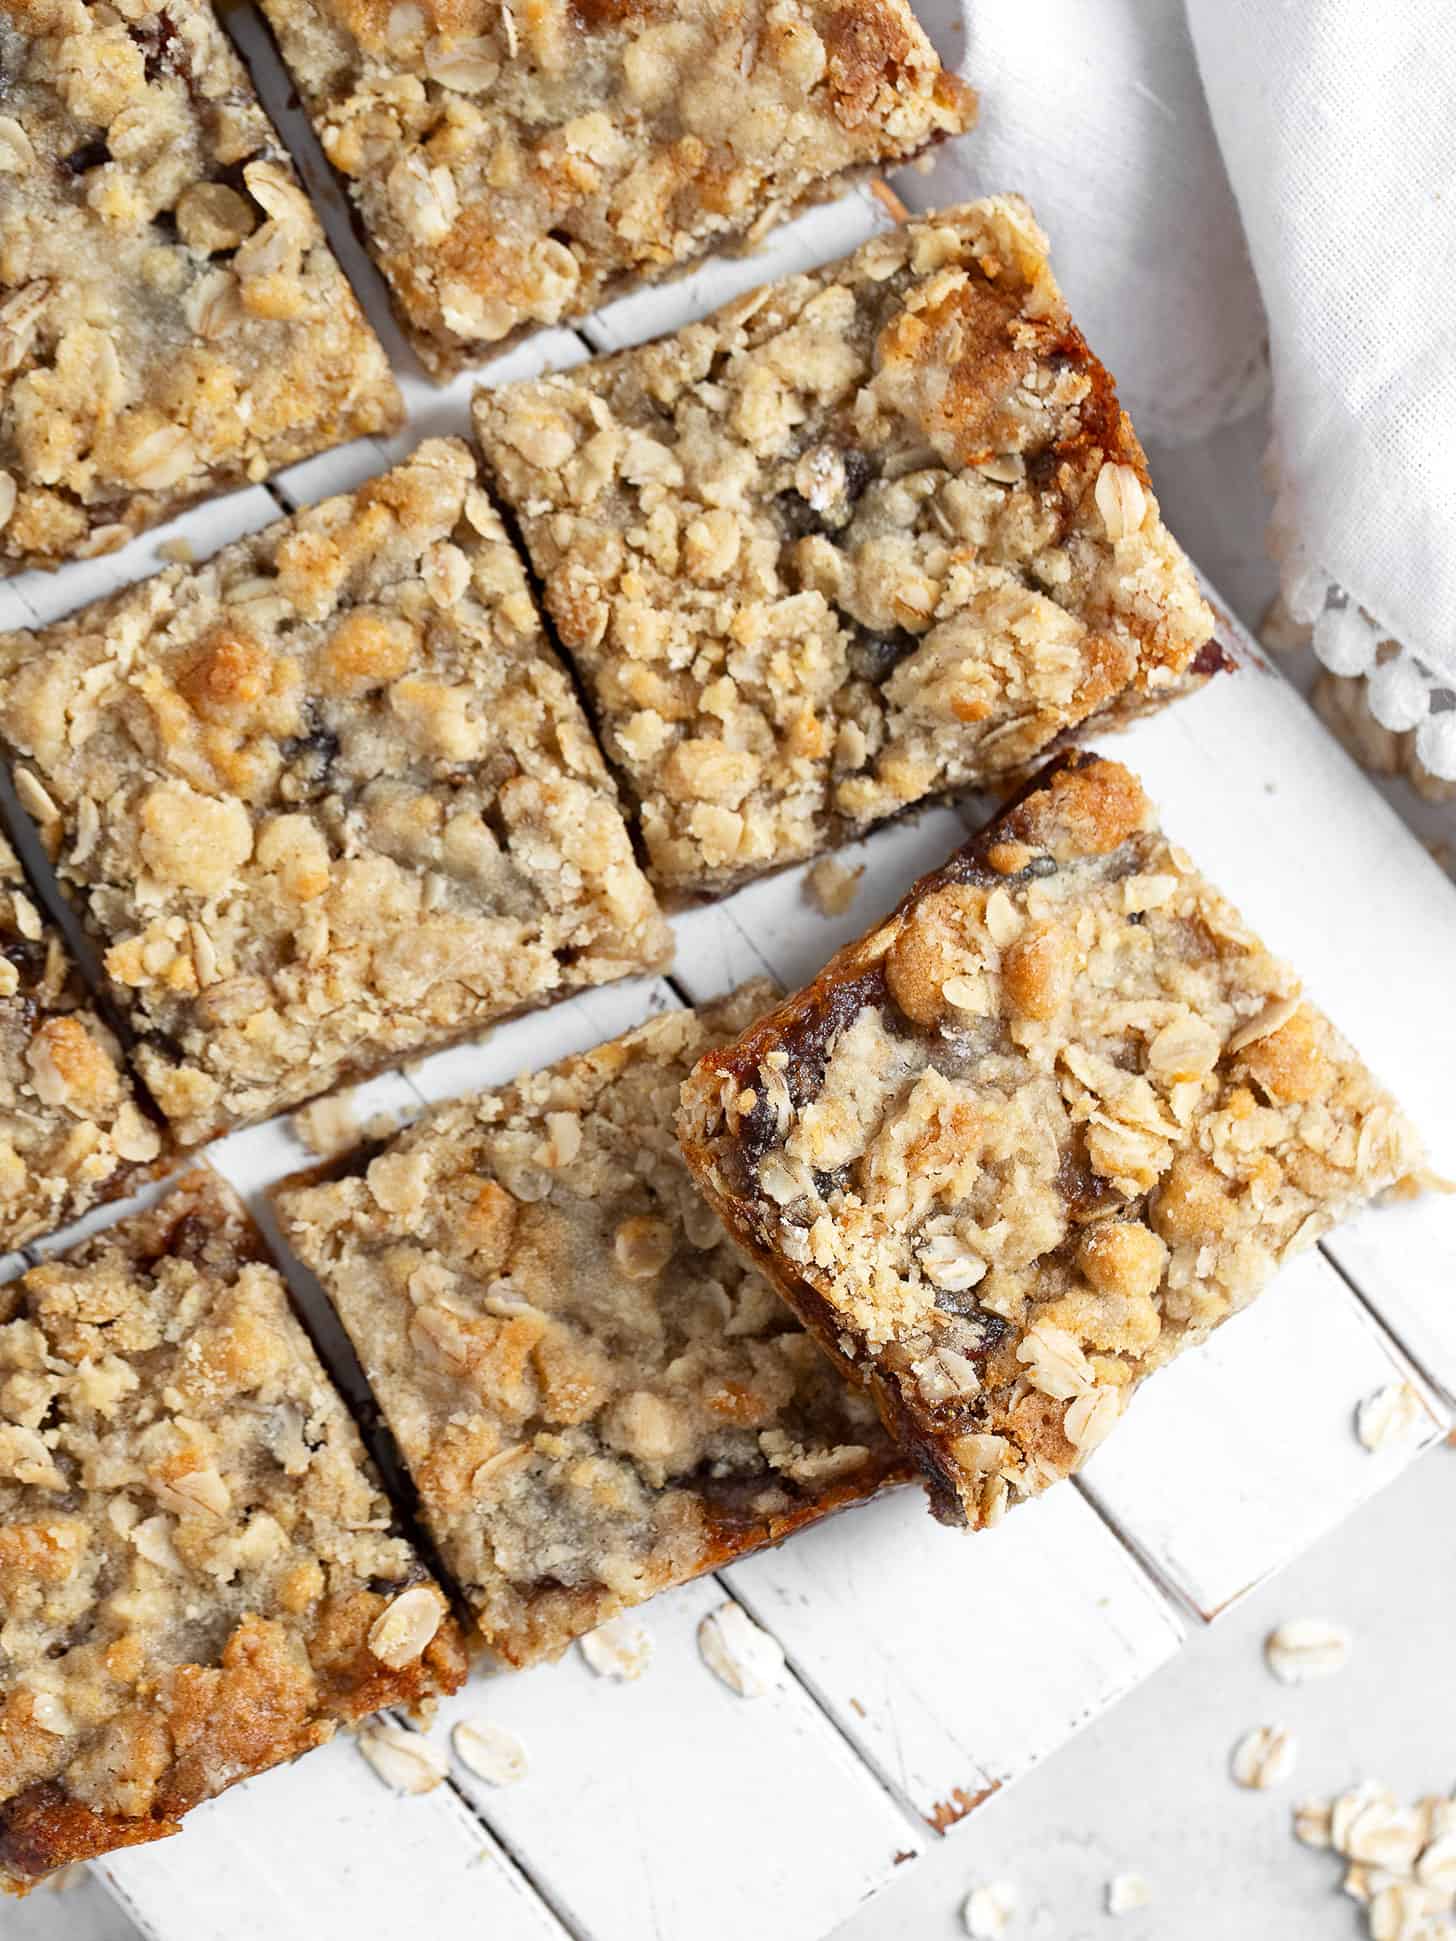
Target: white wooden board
x=670, y=1805
x=674, y=1807
x=321, y=1846
x=1241, y=1455
x=954, y=1663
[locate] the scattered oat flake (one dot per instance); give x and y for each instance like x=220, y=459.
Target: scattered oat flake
x=989, y=1910
x=405, y=1762
x=1391, y=1416
x=178, y=551
x=1312, y=1822
x=406, y=1626
x=621, y=1648
x=489, y=1751
x=1127, y=1892
x=1264, y=1757
x=328, y=1125
x=1304, y=1648
x=1402, y=1867
x=747, y=1659
x=831, y=886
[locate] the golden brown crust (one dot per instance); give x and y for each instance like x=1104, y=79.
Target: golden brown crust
x=1042, y=1129
x=519, y=165
x=595, y=1397
x=866, y=536
x=329, y=798
x=71, y=1131
x=198, y=1570
x=172, y=321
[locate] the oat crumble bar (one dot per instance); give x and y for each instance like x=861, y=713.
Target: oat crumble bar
x=172, y=321
x=71, y=1133
x=517, y=164
x=865, y=536
x=328, y=799
x=199, y=1574
x=1043, y=1129
x=597, y=1397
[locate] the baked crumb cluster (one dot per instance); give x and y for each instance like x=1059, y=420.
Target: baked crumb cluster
x=596, y=1395
x=515, y=164
x=1040, y=1131
x=328, y=799
x=199, y=1576
x=70, y=1129
x=172, y=322
x=866, y=535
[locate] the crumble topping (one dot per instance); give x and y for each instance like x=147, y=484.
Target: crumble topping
x=196, y=1560
x=596, y=1396
x=328, y=798
x=866, y=535
x=517, y=164
x=1043, y=1129
x=70, y=1129
x=172, y=322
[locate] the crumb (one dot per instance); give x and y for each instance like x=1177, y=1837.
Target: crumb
x=989, y=1910
x=328, y=1126
x=831, y=886
x=1127, y=1892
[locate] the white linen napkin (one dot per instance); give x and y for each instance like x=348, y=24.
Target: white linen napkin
x=1235, y=185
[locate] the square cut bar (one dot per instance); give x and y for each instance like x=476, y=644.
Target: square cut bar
x=519, y=165
x=1046, y=1127
x=596, y=1396
x=865, y=536
x=328, y=799
x=199, y=1573
x=172, y=321
x=71, y=1132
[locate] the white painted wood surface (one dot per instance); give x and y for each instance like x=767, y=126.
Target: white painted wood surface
x=670, y=1806
x=1242, y=1454
x=322, y=1847
x=955, y=1663
x=640, y=1796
